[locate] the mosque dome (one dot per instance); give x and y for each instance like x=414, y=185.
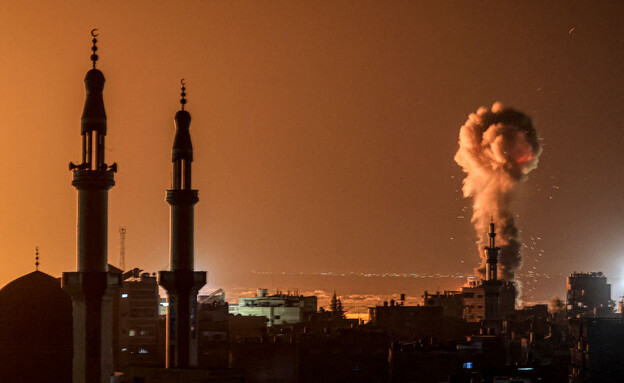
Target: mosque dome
x=35, y=329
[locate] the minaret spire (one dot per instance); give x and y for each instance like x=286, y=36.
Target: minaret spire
x=183, y=94
x=92, y=287
x=94, y=56
x=182, y=153
x=37, y=258
x=182, y=282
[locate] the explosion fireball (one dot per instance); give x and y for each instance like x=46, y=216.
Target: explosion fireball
x=498, y=147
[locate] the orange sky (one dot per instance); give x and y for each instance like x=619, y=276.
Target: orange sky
x=324, y=131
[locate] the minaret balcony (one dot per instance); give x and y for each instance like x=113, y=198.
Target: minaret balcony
x=94, y=179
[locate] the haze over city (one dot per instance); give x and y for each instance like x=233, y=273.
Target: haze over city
x=324, y=135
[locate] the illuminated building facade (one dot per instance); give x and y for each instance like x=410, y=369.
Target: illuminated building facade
x=279, y=309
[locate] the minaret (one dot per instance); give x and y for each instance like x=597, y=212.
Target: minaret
x=491, y=255
x=491, y=284
x=182, y=282
x=92, y=287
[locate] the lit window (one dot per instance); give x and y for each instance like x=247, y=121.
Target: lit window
x=131, y=333
x=124, y=295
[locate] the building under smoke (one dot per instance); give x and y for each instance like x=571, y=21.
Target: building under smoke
x=487, y=301
x=498, y=147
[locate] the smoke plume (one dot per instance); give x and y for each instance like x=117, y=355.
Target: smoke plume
x=498, y=147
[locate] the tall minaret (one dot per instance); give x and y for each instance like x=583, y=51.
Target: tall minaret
x=491, y=255
x=92, y=287
x=491, y=284
x=182, y=282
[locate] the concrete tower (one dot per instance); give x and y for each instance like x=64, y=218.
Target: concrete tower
x=491, y=284
x=92, y=287
x=182, y=282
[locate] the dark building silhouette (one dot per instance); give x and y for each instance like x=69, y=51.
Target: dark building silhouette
x=92, y=287
x=182, y=282
x=450, y=301
x=404, y=322
x=214, y=334
x=35, y=331
x=349, y=355
x=589, y=295
x=242, y=327
x=597, y=353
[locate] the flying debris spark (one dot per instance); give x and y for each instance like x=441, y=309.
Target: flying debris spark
x=498, y=147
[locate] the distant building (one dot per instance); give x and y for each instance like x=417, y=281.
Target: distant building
x=407, y=320
x=279, y=309
x=589, y=295
x=137, y=340
x=401, y=321
x=450, y=301
x=529, y=322
x=474, y=302
x=473, y=297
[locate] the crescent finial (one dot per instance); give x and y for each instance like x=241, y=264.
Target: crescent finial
x=183, y=94
x=94, y=56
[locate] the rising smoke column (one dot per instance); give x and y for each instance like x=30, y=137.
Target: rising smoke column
x=497, y=149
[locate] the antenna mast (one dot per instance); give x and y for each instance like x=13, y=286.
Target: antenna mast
x=122, y=248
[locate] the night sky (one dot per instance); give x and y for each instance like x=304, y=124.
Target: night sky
x=324, y=131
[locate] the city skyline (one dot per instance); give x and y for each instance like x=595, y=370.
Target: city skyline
x=324, y=134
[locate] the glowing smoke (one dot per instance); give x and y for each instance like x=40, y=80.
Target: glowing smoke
x=497, y=149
